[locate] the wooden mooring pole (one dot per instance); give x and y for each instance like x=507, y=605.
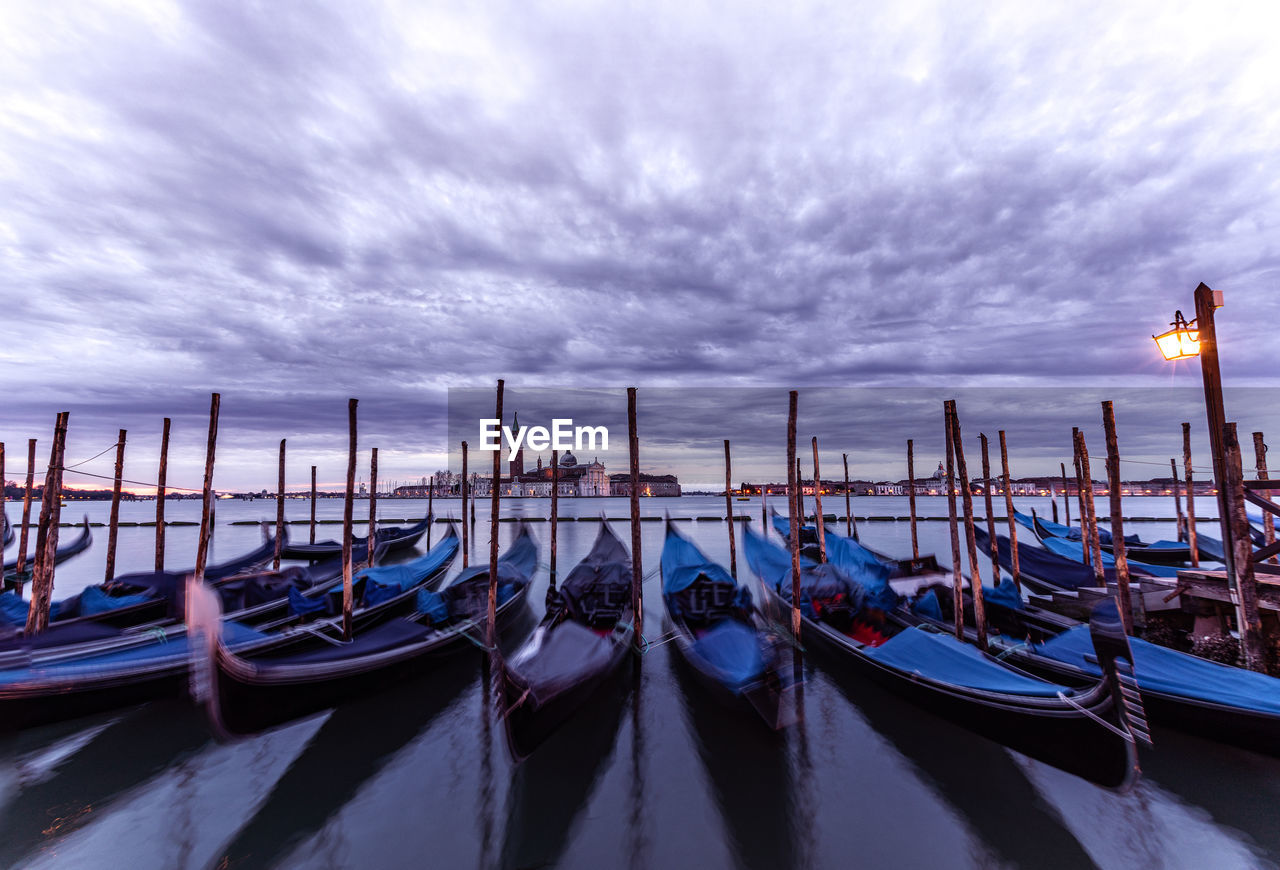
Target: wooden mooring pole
x=162, y=478
x=1177, y=499
x=991, y=516
x=1247, y=614
x=1189, y=476
x=275, y=560
x=1008, y=510
x=462, y=493
x=1268, y=520
x=495, y=492
x=911, y=497
x=26, y=511
x=47, y=532
x=371, y=549
x=1123, y=599
x=312, y=537
x=800, y=489
x=1053, y=501
x=728, y=511
x=1066, y=500
x=797, y=517
x=555, y=510
x=819, y=521
x=957, y=578
x=1091, y=514
x=848, y=509
x=971, y=543
x=207, y=496
x=431, y=507
x=113, y=523
x=637, y=568
x=348, y=509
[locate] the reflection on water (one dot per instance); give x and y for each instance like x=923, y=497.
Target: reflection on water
x=651, y=773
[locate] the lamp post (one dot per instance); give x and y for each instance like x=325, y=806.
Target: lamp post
x=1199, y=338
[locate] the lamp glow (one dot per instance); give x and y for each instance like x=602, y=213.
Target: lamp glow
x=1181, y=342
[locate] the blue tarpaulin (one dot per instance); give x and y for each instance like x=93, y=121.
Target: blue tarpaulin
x=1074, y=550
x=1004, y=595
x=1161, y=669
x=732, y=648
x=943, y=658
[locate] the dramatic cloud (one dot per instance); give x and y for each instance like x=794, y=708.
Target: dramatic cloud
x=293, y=203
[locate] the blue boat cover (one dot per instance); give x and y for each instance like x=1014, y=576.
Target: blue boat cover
x=943, y=658
x=1074, y=550
x=927, y=606
x=1071, y=533
x=1040, y=564
x=94, y=600
x=862, y=565
x=404, y=576
x=462, y=597
x=683, y=564
x=1210, y=548
x=772, y=565
x=732, y=649
x=1160, y=669
x=1004, y=595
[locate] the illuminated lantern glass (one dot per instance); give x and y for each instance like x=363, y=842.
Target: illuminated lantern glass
x=1181, y=342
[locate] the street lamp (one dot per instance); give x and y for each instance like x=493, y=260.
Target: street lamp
x=1181, y=342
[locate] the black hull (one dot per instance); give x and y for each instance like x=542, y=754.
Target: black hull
x=530, y=722
x=402, y=539
x=1258, y=732
x=1056, y=734
x=250, y=701
x=771, y=701
x=31, y=704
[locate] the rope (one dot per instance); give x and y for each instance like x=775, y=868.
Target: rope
x=113, y=446
x=1125, y=733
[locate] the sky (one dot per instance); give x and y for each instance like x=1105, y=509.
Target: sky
x=293, y=204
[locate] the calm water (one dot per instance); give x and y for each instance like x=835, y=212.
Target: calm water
x=648, y=776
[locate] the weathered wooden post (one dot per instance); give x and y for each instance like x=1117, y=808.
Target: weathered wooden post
x=728, y=511
x=1177, y=499
x=848, y=509
x=991, y=519
x=47, y=533
x=161, y=481
x=1189, y=477
x=800, y=489
x=555, y=509
x=637, y=569
x=113, y=524
x=348, y=509
x=26, y=511
x=1008, y=510
x=1091, y=514
x=1124, y=601
x=207, y=495
x=957, y=597
x=372, y=547
x=462, y=493
x=431, y=507
x=494, y=495
x=275, y=561
x=797, y=516
x=1247, y=615
x=971, y=542
x=1066, y=501
x=1268, y=520
x=819, y=521
x=911, y=497
x=313, y=505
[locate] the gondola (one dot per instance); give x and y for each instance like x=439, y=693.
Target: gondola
x=1042, y=571
x=7, y=535
x=393, y=538
x=721, y=636
x=581, y=642
x=247, y=691
x=151, y=597
x=1086, y=732
x=1153, y=553
x=38, y=686
x=1074, y=550
x=77, y=545
x=1179, y=690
